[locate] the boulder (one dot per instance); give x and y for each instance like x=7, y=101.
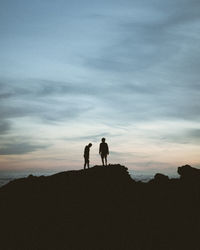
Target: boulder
x=189, y=173
x=160, y=179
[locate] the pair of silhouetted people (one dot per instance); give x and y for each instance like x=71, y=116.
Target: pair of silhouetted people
x=103, y=151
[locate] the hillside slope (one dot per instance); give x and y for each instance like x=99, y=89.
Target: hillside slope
x=100, y=208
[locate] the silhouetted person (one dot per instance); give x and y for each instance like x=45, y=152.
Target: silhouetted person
x=103, y=151
x=87, y=155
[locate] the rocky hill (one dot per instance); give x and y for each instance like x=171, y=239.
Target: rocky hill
x=101, y=208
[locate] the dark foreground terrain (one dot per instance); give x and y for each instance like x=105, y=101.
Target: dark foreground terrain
x=101, y=208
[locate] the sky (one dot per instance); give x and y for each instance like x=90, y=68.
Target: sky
x=72, y=72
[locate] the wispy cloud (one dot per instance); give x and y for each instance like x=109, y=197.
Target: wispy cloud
x=187, y=136
x=19, y=148
x=4, y=127
x=92, y=138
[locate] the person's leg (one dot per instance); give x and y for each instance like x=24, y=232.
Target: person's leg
x=102, y=158
x=106, y=159
x=88, y=163
x=85, y=162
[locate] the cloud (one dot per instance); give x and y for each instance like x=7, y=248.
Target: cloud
x=92, y=138
x=139, y=40
x=152, y=58
x=145, y=70
x=4, y=127
x=150, y=165
x=124, y=102
x=187, y=136
x=19, y=148
x=195, y=133
x=49, y=101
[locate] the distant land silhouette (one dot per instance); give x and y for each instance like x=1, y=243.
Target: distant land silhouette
x=101, y=208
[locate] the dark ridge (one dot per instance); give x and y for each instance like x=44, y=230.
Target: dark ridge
x=101, y=208
x=188, y=173
x=95, y=176
x=160, y=179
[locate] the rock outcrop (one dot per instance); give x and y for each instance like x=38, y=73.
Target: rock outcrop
x=188, y=173
x=160, y=179
x=100, y=208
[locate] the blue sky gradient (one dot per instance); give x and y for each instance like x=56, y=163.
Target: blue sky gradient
x=72, y=72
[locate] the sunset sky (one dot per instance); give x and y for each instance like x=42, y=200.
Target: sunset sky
x=72, y=72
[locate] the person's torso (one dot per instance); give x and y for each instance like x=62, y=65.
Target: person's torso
x=104, y=147
x=86, y=151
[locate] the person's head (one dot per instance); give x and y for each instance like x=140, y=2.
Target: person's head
x=103, y=139
x=90, y=144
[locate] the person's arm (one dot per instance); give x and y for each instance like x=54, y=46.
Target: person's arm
x=84, y=152
x=107, y=149
x=100, y=148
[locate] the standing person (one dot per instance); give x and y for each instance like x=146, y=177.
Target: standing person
x=103, y=151
x=87, y=155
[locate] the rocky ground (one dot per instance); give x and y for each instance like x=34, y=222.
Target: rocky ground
x=101, y=208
